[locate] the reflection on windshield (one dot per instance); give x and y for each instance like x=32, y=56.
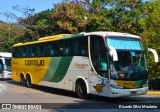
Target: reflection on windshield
x=130, y=66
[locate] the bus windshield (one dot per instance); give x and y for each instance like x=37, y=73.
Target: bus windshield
x=7, y=65
x=126, y=43
x=131, y=65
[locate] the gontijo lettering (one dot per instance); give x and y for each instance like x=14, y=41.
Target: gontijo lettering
x=34, y=62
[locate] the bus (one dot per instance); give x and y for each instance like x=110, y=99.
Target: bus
x=110, y=64
x=5, y=65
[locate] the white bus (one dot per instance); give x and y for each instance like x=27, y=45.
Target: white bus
x=110, y=64
x=5, y=65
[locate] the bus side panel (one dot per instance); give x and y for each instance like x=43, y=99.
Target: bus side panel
x=79, y=68
x=63, y=72
x=35, y=67
x=57, y=72
x=98, y=85
x=57, y=68
x=15, y=74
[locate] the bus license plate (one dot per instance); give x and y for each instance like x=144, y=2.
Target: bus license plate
x=133, y=92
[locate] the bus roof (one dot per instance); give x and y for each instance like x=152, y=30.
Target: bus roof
x=5, y=54
x=50, y=38
x=107, y=33
x=66, y=36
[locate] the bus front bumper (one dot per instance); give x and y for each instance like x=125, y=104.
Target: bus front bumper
x=128, y=92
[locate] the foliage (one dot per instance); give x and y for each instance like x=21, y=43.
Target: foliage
x=79, y=16
x=8, y=35
x=37, y=25
x=150, y=35
x=69, y=17
x=124, y=15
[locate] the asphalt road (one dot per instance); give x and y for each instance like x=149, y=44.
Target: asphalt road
x=51, y=99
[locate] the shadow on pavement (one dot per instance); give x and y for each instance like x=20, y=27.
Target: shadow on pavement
x=93, y=101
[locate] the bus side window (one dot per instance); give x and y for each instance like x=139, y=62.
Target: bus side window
x=52, y=52
x=49, y=49
x=75, y=47
x=27, y=51
x=67, y=47
x=54, y=49
x=41, y=50
x=24, y=51
x=14, y=52
x=81, y=46
x=83, y=50
x=34, y=51
x=21, y=52
x=29, y=54
x=17, y=52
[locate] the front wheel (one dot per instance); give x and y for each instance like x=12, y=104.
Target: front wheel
x=81, y=90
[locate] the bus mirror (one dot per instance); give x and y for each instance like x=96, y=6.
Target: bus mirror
x=154, y=53
x=113, y=53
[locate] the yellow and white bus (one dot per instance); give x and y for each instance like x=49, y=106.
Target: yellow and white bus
x=110, y=64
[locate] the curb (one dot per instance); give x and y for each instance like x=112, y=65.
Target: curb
x=153, y=92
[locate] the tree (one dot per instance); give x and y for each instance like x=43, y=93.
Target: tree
x=38, y=25
x=150, y=35
x=26, y=11
x=124, y=15
x=8, y=35
x=78, y=16
x=69, y=17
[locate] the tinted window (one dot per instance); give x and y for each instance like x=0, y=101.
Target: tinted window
x=69, y=47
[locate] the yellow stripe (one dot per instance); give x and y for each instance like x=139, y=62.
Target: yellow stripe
x=154, y=92
x=127, y=84
x=54, y=37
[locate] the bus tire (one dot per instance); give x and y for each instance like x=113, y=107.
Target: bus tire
x=22, y=80
x=81, y=90
x=28, y=81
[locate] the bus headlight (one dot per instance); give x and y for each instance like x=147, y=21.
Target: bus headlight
x=116, y=86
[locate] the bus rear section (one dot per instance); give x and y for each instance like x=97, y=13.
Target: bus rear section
x=5, y=65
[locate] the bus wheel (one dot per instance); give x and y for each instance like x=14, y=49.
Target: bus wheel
x=28, y=81
x=81, y=89
x=22, y=80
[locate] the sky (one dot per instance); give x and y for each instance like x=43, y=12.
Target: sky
x=38, y=5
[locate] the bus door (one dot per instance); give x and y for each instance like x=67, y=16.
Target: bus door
x=98, y=55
